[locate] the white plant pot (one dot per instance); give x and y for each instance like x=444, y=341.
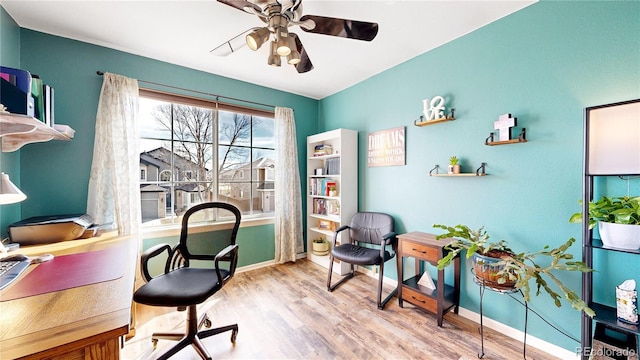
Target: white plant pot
x=620, y=236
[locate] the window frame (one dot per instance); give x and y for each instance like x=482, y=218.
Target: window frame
x=250, y=219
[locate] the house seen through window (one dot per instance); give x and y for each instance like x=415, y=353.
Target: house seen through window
x=194, y=151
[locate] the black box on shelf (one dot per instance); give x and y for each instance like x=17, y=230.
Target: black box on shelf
x=15, y=100
x=613, y=344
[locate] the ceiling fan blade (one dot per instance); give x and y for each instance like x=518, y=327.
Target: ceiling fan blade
x=351, y=29
x=305, y=64
x=241, y=5
x=232, y=45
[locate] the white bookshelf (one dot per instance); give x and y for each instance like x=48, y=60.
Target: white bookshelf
x=344, y=144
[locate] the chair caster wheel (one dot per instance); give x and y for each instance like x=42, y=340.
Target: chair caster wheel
x=234, y=335
x=155, y=343
x=207, y=323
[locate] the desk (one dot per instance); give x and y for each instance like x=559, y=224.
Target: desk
x=84, y=322
x=424, y=247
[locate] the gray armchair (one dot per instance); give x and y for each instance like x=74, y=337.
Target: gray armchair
x=370, y=234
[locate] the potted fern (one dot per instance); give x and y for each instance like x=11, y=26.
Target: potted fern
x=618, y=220
x=497, y=266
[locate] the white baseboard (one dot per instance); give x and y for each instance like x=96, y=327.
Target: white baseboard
x=513, y=333
x=255, y=266
x=266, y=263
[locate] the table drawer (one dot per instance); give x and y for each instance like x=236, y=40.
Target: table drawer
x=419, y=251
x=419, y=299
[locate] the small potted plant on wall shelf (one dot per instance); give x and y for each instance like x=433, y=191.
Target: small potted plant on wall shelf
x=454, y=166
x=496, y=266
x=618, y=220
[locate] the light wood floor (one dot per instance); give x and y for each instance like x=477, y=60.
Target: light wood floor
x=286, y=312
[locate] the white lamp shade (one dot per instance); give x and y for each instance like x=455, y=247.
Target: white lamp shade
x=614, y=139
x=9, y=193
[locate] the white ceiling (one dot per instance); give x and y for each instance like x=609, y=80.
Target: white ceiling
x=183, y=33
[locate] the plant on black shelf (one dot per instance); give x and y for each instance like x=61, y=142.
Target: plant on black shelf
x=617, y=210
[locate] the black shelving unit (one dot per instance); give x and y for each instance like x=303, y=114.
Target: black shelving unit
x=605, y=314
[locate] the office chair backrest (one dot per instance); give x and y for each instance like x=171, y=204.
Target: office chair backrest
x=370, y=227
x=205, y=246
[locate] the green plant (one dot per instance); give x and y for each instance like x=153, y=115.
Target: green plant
x=319, y=240
x=518, y=267
x=453, y=160
x=618, y=210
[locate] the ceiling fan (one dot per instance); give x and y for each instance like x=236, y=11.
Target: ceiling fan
x=279, y=16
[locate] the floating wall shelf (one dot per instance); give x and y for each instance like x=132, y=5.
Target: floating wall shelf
x=18, y=130
x=431, y=122
x=521, y=139
x=479, y=172
x=422, y=122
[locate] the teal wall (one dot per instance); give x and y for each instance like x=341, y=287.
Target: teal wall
x=9, y=162
x=544, y=65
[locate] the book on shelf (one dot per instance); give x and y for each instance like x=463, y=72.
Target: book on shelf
x=15, y=100
x=333, y=207
x=47, y=93
x=322, y=149
x=22, y=78
x=38, y=97
x=332, y=166
x=323, y=187
x=319, y=207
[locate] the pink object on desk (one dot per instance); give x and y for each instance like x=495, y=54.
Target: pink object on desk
x=69, y=271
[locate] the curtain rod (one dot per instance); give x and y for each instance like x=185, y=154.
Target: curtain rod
x=198, y=92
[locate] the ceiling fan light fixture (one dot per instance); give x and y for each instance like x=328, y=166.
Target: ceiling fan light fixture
x=274, y=58
x=257, y=37
x=283, y=47
x=294, y=57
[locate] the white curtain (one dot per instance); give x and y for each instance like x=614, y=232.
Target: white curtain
x=114, y=190
x=288, y=202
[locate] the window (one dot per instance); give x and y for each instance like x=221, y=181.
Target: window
x=201, y=152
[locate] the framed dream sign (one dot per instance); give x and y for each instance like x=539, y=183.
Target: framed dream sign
x=386, y=147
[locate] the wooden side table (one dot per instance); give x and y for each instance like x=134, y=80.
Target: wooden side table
x=424, y=247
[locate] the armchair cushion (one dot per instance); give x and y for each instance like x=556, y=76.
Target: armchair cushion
x=359, y=255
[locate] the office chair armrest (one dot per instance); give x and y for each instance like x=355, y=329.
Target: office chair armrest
x=230, y=253
x=335, y=235
x=151, y=253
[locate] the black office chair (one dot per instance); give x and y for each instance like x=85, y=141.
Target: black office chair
x=183, y=286
x=370, y=233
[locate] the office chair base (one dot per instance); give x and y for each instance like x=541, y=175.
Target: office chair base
x=193, y=336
